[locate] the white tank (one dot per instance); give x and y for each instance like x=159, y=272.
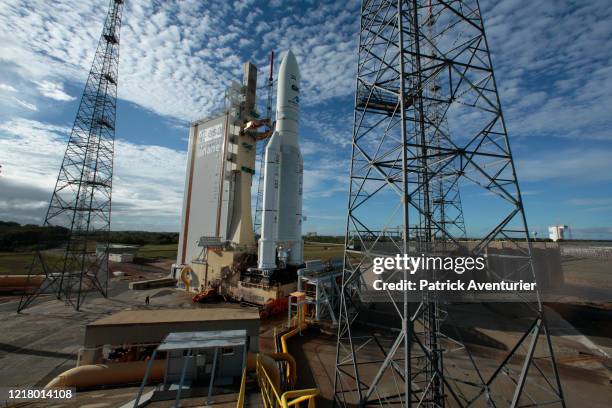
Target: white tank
x=283, y=176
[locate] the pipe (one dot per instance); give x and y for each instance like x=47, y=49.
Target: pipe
x=291, y=371
x=19, y=282
x=89, y=376
x=95, y=375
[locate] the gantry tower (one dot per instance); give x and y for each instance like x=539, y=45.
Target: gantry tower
x=427, y=119
x=446, y=207
x=81, y=200
x=261, y=149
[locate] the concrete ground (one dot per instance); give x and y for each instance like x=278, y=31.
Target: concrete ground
x=43, y=341
x=316, y=353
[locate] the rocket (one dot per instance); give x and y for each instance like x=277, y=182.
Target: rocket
x=281, y=227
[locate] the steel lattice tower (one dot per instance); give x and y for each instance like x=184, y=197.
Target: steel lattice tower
x=81, y=200
x=424, y=73
x=446, y=208
x=261, y=150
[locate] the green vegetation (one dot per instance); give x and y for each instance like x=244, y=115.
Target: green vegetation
x=144, y=238
x=322, y=251
x=15, y=263
x=311, y=251
x=15, y=237
x=166, y=251
x=333, y=239
x=18, y=244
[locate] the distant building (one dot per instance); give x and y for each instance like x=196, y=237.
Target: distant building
x=311, y=234
x=557, y=232
x=121, y=257
x=118, y=252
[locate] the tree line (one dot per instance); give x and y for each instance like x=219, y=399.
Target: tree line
x=17, y=237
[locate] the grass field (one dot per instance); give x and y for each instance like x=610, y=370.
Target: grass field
x=15, y=263
x=165, y=251
x=311, y=251
x=322, y=251
x=18, y=263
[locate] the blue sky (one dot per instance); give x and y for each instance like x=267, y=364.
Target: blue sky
x=553, y=62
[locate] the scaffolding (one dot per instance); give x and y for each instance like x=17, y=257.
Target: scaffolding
x=261, y=150
x=320, y=282
x=81, y=200
x=424, y=73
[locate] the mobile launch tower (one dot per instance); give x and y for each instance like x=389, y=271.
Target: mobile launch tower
x=217, y=246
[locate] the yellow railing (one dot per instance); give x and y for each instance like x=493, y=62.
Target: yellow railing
x=270, y=394
x=240, y=403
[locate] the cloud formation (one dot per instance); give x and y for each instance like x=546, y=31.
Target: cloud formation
x=54, y=91
x=147, y=183
x=177, y=57
x=553, y=68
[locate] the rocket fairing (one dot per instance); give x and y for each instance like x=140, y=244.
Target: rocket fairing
x=281, y=231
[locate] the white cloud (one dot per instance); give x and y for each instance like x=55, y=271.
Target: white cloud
x=177, y=57
x=26, y=105
x=54, y=91
x=7, y=88
x=241, y=5
x=147, y=183
x=553, y=66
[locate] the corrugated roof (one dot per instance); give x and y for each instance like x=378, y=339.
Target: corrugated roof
x=203, y=339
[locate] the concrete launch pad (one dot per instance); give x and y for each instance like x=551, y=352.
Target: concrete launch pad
x=30, y=356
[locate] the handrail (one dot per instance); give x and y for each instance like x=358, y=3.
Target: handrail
x=270, y=394
x=240, y=402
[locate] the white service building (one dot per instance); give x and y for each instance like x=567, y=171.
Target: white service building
x=216, y=212
x=557, y=232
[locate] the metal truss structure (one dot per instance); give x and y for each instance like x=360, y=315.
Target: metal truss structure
x=425, y=73
x=261, y=150
x=320, y=282
x=81, y=201
x=446, y=208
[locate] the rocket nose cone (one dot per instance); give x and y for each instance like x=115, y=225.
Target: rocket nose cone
x=290, y=64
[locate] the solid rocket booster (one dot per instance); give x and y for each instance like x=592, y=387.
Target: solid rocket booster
x=281, y=231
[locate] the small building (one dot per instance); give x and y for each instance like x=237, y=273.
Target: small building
x=226, y=350
x=118, y=252
x=135, y=328
x=198, y=361
x=557, y=232
x=121, y=257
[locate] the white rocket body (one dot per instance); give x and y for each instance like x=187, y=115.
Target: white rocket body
x=281, y=227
